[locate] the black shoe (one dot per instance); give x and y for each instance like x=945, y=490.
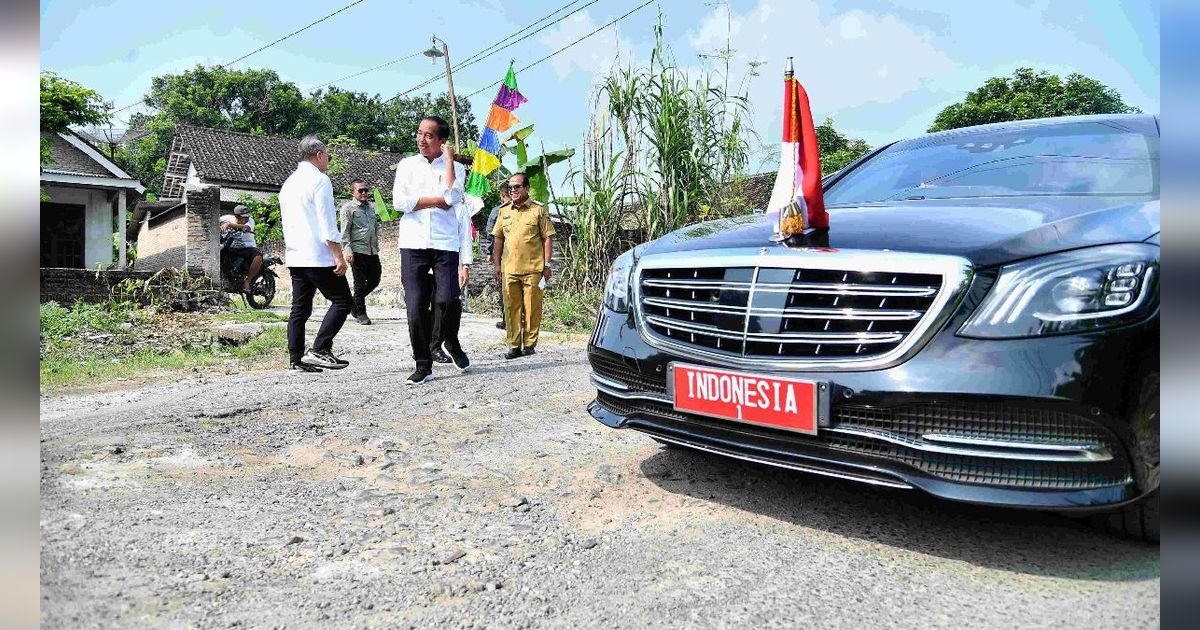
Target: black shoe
x=513, y=353
x=528, y=351
x=363, y=319
x=418, y=377
x=324, y=359
x=440, y=356
x=500, y=325
x=302, y=367
x=460, y=359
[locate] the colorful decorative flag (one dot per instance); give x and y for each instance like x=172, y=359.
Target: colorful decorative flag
x=499, y=120
x=799, y=178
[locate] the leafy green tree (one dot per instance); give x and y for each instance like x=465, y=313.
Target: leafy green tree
x=65, y=103
x=837, y=150
x=1028, y=94
x=268, y=224
x=260, y=102
x=348, y=115
x=402, y=116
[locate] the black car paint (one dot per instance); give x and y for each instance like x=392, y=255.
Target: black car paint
x=1097, y=374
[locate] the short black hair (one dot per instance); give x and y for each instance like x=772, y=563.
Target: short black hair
x=443, y=127
x=356, y=181
x=524, y=177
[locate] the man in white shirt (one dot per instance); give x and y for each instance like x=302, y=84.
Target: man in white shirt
x=314, y=257
x=429, y=191
x=238, y=230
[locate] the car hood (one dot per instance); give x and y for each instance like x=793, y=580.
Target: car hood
x=985, y=231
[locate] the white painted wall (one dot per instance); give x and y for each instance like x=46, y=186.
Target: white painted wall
x=97, y=223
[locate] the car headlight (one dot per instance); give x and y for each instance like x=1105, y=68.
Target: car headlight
x=1085, y=289
x=616, y=290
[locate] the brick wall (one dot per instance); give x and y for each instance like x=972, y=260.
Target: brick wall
x=163, y=246
x=203, y=247
x=65, y=286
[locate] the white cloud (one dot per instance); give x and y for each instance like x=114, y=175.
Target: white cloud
x=593, y=56
x=844, y=60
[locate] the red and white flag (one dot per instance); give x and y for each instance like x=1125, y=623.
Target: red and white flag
x=799, y=177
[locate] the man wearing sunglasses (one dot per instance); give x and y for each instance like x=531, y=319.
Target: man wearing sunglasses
x=360, y=240
x=521, y=258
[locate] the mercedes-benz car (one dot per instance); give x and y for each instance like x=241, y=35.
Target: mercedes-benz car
x=980, y=322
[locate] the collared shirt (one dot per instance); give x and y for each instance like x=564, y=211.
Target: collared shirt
x=309, y=217
x=432, y=228
x=360, y=227
x=524, y=229
x=238, y=237
x=491, y=225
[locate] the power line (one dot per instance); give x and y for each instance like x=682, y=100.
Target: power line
x=358, y=74
x=262, y=48
x=500, y=45
x=631, y=12
x=300, y=30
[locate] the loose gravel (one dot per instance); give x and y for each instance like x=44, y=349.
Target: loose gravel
x=266, y=499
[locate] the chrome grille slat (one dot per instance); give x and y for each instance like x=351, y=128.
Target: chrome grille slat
x=798, y=313
x=798, y=287
x=814, y=338
x=794, y=308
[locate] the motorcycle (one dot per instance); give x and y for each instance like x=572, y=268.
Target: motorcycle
x=233, y=275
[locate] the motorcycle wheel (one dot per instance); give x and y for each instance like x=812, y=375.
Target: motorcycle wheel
x=262, y=291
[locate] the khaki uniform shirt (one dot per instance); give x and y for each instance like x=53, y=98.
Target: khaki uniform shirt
x=524, y=228
x=360, y=227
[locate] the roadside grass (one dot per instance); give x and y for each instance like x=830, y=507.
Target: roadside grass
x=570, y=311
x=90, y=344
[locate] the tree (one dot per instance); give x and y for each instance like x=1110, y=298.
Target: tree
x=1026, y=95
x=837, y=150
x=402, y=116
x=260, y=102
x=65, y=103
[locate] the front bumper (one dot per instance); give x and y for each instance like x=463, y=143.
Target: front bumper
x=1070, y=392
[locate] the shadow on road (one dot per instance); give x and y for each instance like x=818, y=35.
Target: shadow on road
x=1020, y=541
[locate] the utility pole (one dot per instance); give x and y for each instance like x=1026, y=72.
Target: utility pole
x=433, y=53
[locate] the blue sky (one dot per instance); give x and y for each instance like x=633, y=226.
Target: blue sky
x=882, y=69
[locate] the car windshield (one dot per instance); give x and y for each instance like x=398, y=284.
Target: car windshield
x=1081, y=158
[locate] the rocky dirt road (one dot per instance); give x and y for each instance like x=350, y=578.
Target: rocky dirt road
x=491, y=499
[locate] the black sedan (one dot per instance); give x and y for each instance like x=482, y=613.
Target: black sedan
x=980, y=322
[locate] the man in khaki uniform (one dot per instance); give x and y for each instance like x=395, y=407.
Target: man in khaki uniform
x=521, y=257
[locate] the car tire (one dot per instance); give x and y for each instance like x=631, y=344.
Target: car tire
x=1138, y=521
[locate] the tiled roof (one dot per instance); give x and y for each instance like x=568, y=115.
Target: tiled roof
x=70, y=160
x=246, y=160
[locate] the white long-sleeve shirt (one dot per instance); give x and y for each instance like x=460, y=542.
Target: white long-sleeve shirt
x=309, y=217
x=432, y=228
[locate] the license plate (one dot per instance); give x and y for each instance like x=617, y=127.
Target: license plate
x=783, y=403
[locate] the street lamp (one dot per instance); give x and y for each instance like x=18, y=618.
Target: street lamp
x=433, y=53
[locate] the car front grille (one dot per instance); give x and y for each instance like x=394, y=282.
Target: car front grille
x=966, y=420
x=785, y=313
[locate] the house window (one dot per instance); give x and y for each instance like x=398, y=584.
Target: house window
x=62, y=235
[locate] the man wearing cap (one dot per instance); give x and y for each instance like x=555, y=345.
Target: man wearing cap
x=239, y=229
x=360, y=241
x=521, y=257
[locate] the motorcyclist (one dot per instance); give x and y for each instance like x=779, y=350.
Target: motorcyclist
x=237, y=236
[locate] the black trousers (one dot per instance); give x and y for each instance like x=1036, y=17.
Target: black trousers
x=434, y=310
x=306, y=281
x=367, y=272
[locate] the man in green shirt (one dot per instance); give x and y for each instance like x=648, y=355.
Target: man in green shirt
x=360, y=239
